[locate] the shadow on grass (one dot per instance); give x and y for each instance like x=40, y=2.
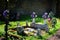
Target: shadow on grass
x=24, y=19
x=2, y=22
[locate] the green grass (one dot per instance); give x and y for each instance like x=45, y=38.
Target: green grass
x=23, y=23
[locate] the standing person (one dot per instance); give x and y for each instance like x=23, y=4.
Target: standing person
x=45, y=16
x=33, y=15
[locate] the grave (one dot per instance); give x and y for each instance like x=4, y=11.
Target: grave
x=40, y=26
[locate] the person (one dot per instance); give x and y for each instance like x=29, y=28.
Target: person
x=33, y=15
x=45, y=16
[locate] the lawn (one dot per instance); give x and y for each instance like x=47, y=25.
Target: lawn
x=23, y=23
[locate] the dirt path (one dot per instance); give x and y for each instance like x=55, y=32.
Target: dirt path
x=55, y=36
x=2, y=38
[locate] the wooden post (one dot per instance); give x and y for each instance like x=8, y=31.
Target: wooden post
x=6, y=29
x=6, y=21
x=57, y=8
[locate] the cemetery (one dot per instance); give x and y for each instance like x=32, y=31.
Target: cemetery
x=29, y=20
x=25, y=30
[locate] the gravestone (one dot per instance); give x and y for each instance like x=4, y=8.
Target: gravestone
x=51, y=14
x=38, y=32
x=20, y=29
x=40, y=26
x=30, y=31
x=27, y=23
x=54, y=21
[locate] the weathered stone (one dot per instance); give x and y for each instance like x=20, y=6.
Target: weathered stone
x=54, y=21
x=20, y=30
x=30, y=31
x=27, y=23
x=38, y=32
x=40, y=26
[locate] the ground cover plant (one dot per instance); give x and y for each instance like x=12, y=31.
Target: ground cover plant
x=45, y=36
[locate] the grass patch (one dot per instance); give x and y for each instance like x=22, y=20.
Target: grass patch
x=23, y=23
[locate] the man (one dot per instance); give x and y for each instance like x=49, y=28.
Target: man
x=33, y=15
